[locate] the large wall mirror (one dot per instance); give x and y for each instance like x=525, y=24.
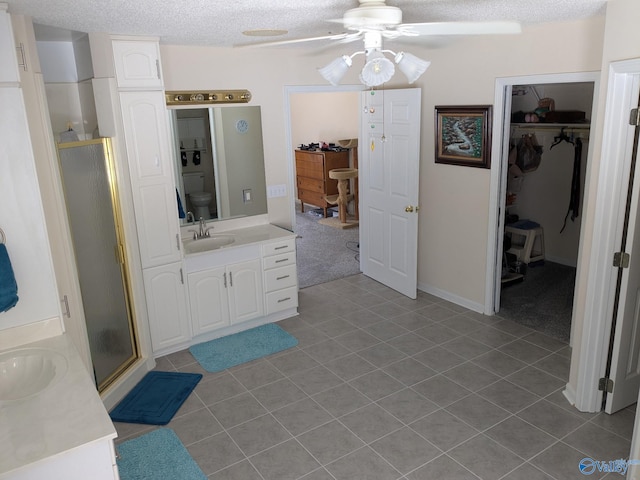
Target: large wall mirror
x=219, y=161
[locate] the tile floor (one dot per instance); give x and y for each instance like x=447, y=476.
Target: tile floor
x=382, y=387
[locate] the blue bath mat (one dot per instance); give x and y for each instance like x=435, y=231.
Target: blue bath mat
x=156, y=398
x=155, y=455
x=242, y=347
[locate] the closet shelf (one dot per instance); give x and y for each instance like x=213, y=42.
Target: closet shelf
x=551, y=126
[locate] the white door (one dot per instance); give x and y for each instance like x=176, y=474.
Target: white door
x=389, y=152
x=625, y=356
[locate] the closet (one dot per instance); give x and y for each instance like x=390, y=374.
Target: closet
x=549, y=142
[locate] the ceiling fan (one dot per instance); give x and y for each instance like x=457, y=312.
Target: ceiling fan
x=374, y=21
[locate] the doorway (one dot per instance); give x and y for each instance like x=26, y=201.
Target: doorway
x=547, y=269
x=321, y=114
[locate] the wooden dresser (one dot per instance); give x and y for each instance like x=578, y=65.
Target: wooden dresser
x=312, y=176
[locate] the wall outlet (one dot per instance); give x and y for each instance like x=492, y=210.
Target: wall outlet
x=246, y=195
x=276, y=191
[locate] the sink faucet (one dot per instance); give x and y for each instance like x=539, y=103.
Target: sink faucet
x=203, y=233
x=193, y=219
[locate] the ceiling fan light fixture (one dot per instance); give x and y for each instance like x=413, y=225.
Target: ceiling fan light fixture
x=378, y=70
x=334, y=71
x=411, y=66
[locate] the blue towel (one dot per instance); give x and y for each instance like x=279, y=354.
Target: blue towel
x=181, y=213
x=8, y=285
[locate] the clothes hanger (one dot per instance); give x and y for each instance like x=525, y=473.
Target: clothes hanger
x=561, y=138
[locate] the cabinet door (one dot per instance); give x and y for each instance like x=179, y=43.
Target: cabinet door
x=8, y=63
x=167, y=306
x=208, y=296
x=137, y=63
x=246, y=300
x=153, y=187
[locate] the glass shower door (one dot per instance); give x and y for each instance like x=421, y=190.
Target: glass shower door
x=89, y=182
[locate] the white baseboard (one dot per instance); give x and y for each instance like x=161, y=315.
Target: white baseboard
x=450, y=297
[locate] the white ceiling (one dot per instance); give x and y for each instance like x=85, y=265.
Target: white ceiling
x=221, y=22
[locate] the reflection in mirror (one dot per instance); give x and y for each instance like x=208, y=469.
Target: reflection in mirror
x=219, y=161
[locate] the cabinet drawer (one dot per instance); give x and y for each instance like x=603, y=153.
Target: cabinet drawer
x=282, y=300
x=280, y=278
x=313, y=198
x=311, y=166
x=283, y=246
x=281, y=260
x=311, y=184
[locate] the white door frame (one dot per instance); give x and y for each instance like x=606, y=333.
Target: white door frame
x=291, y=171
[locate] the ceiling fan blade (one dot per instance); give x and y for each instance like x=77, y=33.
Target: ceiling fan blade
x=339, y=36
x=459, y=28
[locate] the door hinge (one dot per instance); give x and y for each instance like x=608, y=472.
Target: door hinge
x=634, y=117
x=605, y=385
x=621, y=259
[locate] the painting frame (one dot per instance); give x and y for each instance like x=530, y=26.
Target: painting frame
x=454, y=146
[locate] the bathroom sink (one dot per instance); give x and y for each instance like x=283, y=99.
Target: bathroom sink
x=208, y=243
x=26, y=372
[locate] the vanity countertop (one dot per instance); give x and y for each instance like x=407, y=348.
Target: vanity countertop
x=245, y=236
x=66, y=415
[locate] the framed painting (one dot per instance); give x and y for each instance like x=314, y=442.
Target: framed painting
x=463, y=135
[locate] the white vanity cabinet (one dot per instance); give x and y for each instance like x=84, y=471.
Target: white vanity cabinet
x=137, y=63
x=280, y=275
x=227, y=294
x=150, y=166
x=9, y=71
x=167, y=306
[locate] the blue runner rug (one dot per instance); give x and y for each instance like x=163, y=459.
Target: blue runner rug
x=156, y=398
x=232, y=350
x=157, y=455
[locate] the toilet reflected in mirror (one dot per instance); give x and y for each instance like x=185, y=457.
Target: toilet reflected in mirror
x=198, y=199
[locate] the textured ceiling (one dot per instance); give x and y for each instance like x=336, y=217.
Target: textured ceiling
x=221, y=22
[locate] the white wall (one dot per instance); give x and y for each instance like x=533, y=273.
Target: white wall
x=454, y=200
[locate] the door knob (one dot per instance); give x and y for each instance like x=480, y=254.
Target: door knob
x=409, y=209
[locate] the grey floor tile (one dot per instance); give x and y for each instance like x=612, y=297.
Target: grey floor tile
x=439, y=359
x=409, y=371
x=485, y=458
x=350, y=367
x=437, y=312
x=471, y=376
x=341, y=400
x=385, y=330
x=527, y=472
x=278, y=394
x=363, y=464
x=258, y=434
x=437, y=333
x=319, y=474
x=551, y=418
x=316, y=380
x=477, y=412
x=556, y=365
x=309, y=336
x=326, y=351
x=561, y=462
x=598, y=443
x=195, y=426
x=381, y=354
x=512, y=328
x=410, y=343
x=466, y=347
x=443, y=467
x=407, y=405
x=218, y=389
x=441, y=390
x=240, y=471
x=302, y=416
x=215, y=453
x=536, y=381
x=444, y=430
x=405, y=450
x=237, y=410
x=376, y=384
x=357, y=340
x=256, y=375
x=370, y=423
x=520, y=437
x=330, y=442
x=499, y=363
x=293, y=362
x=362, y=318
x=335, y=327
x=524, y=351
x=545, y=341
x=621, y=423
x=508, y=396
x=287, y=461
x=411, y=321
x=492, y=336
x=462, y=324
x=390, y=310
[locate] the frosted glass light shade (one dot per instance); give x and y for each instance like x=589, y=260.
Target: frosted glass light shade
x=378, y=70
x=411, y=66
x=335, y=70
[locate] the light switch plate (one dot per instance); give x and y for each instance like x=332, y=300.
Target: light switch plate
x=276, y=191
